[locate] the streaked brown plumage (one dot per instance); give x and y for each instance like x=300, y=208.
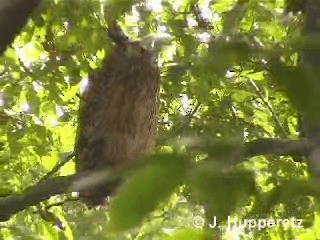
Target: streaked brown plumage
x=118, y=114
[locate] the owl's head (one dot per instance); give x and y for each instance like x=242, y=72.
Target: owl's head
x=147, y=49
x=132, y=52
x=134, y=49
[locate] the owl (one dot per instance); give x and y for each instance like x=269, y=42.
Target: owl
x=118, y=114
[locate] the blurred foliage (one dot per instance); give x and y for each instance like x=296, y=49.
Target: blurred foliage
x=229, y=75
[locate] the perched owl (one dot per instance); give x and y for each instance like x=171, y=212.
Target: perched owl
x=118, y=113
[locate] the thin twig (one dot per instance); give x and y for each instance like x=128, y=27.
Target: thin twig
x=268, y=105
x=194, y=110
x=57, y=167
x=200, y=19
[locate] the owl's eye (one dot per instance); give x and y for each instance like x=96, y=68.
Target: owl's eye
x=134, y=50
x=142, y=50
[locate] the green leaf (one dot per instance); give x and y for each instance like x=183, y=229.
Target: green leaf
x=189, y=234
x=242, y=95
x=221, y=192
x=145, y=189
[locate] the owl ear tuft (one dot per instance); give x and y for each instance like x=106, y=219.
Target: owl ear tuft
x=116, y=33
x=154, y=43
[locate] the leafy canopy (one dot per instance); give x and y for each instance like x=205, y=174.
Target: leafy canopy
x=229, y=75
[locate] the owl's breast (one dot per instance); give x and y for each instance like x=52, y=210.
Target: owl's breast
x=119, y=113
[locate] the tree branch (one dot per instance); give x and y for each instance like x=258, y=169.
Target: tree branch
x=277, y=147
x=14, y=15
x=74, y=183
x=40, y=192
x=63, y=184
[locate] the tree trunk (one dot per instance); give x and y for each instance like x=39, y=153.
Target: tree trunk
x=310, y=61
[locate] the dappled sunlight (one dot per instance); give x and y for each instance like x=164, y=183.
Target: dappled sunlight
x=234, y=145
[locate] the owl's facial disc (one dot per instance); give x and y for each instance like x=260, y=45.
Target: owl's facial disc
x=134, y=49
